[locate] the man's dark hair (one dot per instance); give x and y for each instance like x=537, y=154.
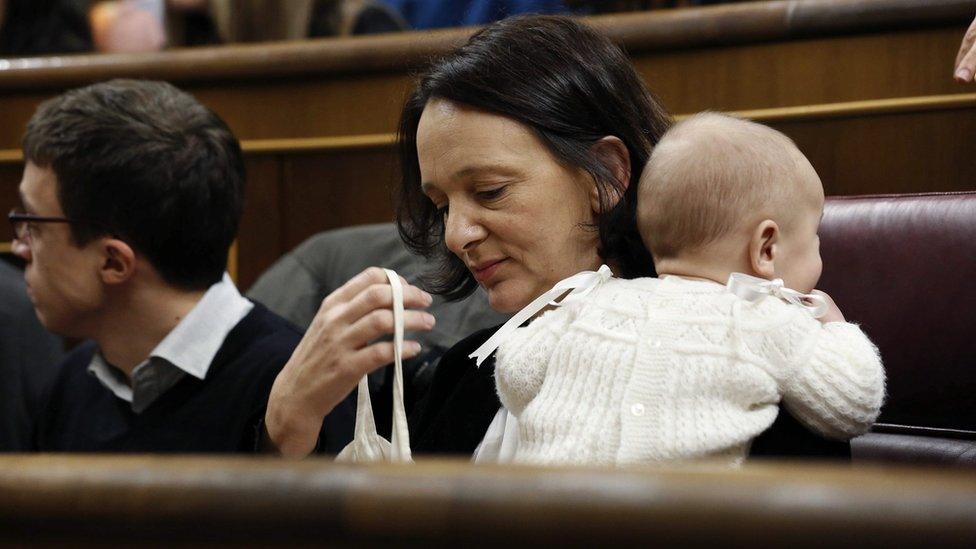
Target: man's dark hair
x=569, y=84
x=147, y=163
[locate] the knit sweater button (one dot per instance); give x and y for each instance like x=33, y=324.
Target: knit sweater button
x=637, y=409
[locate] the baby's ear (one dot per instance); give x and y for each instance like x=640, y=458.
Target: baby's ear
x=612, y=152
x=763, y=249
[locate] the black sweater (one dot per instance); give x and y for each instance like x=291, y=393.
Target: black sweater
x=221, y=413
x=461, y=402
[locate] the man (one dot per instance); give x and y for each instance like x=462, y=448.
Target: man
x=132, y=195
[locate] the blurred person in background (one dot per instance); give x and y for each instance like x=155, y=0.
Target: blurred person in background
x=151, y=25
x=46, y=27
x=135, y=26
x=611, y=6
x=430, y=14
x=43, y=27
x=271, y=20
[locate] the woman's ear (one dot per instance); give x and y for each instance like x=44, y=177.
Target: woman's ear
x=763, y=249
x=118, y=261
x=614, y=155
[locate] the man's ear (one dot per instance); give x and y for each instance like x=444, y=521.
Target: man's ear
x=763, y=249
x=612, y=152
x=118, y=261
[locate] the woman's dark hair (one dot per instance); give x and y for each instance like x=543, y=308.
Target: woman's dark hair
x=572, y=87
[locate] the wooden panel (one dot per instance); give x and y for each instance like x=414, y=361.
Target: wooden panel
x=894, y=153
x=337, y=188
x=299, y=187
x=259, y=241
x=638, y=32
x=181, y=501
x=804, y=72
x=745, y=56
x=273, y=108
x=311, y=107
x=731, y=78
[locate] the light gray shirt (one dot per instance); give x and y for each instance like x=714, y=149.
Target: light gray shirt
x=187, y=350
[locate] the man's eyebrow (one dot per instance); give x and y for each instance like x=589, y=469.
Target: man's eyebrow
x=24, y=201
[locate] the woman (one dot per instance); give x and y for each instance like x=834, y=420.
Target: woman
x=520, y=155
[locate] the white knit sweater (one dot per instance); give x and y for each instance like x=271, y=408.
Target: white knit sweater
x=651, y=370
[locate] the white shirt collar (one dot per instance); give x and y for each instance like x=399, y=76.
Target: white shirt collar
x=192, y=345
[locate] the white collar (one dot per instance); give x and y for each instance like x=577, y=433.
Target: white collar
x=192, y=345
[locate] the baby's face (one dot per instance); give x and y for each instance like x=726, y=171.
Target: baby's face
x=799, y=263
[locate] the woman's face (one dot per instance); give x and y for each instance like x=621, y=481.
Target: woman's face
x=517, y=218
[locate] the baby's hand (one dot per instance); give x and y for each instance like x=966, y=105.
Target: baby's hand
x=833, y=313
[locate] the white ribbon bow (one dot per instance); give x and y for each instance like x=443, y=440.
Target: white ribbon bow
x=751, y=288
x=577, y=285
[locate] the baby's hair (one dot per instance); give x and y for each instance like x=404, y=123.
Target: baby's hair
x=707, y=175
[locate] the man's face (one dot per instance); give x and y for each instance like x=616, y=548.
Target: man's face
x=62, y=279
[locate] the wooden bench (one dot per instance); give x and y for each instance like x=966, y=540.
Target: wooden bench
x=181, y=501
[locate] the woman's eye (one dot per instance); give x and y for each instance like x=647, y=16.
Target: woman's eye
x=491, y=194
x=441, y=210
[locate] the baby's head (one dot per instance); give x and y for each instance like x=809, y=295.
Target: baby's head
x=722, y=195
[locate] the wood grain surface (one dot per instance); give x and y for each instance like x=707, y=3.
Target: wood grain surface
x=268, y=501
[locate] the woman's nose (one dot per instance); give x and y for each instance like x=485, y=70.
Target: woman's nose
x=463, y=230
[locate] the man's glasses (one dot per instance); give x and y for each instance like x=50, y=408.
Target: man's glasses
x=21, y=222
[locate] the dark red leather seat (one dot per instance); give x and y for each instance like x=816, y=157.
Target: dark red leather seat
x=903, y=266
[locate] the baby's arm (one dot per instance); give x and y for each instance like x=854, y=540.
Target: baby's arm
x=836, y=383
x=522, y=360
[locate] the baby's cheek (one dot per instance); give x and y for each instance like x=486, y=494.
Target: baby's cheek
x=816, y=271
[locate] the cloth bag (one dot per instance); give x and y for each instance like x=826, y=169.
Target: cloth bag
x=367, y=445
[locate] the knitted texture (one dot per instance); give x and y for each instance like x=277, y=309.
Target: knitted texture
x=652, y=370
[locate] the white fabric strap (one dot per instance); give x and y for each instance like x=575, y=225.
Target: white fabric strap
x=400, y=437
x=367, y=445
x=577, y=285
x=751, y=288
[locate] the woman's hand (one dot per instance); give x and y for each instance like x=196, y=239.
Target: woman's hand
x=966, y=58
x=336, y=353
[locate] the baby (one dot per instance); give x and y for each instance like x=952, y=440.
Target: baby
x=684, y=366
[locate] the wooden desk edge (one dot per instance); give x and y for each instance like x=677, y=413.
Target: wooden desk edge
x=441, y=499
x=638, y=32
